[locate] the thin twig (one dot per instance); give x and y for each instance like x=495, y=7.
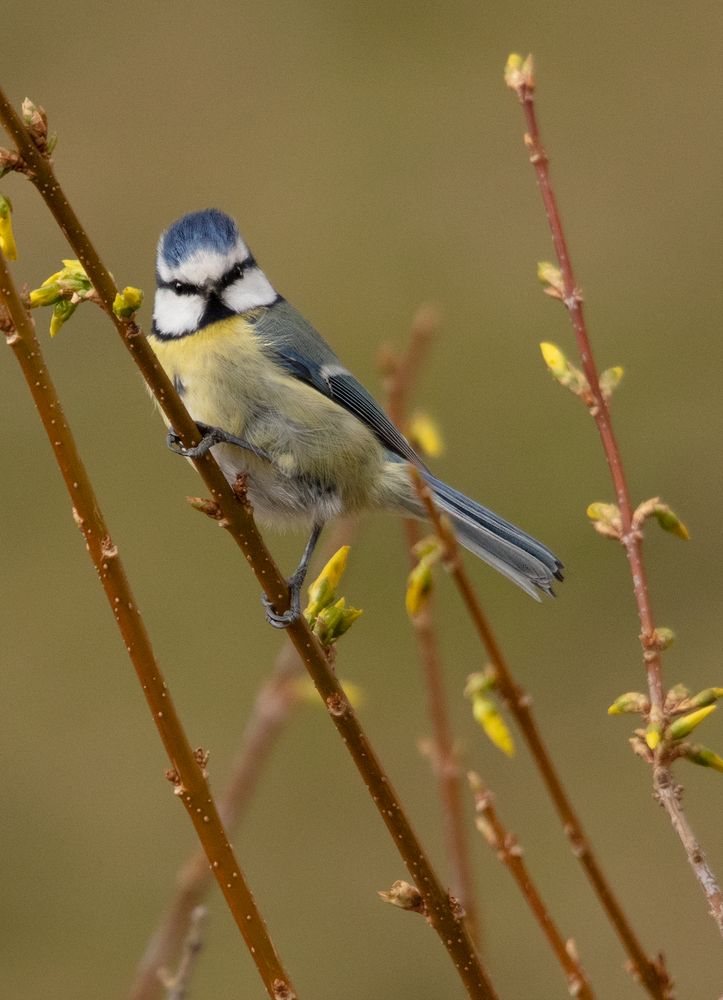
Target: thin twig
x=187, y=766
x=400, y=373
x=631, y=538
x=509, y=852
x=235, y=516
x=651, y=973
x=176, y=986
x=277, y=698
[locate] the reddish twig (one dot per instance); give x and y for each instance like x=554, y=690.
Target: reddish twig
x=630, y=535
x=187, y=766
x=509, y=852
x=400, y=373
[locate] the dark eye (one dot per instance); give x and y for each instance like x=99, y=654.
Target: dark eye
x=238, y=271
x=178, y=285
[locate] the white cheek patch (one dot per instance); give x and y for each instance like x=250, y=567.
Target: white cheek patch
x=249, y=292
x=175, y=314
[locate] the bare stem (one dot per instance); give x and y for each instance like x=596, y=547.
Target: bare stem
x=509, y=852
x=652, y=974
x=277, y=698
x=235, y=515
x=400, y=373
x=176, y=986
x=631, y=538
x=187, y=766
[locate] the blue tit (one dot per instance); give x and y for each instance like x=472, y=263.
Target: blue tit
x=276, y=404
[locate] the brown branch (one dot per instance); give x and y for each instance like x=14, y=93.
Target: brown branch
x=277, y=698
x=651, y=973
x=187, y=766
x=631, y=537
x=236, y=517
x=509, y=852
x=400, y=374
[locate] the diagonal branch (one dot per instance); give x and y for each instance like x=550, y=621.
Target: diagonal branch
x=399, y=375
x=187, y=771
x=651, y=973
x=236, y=517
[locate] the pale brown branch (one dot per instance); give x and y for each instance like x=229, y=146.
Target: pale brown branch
x=276, y=700
x=236, y=517
x=631, y=538
x=186, y=772
x=176, y=985
x=400, y=373
x=509, y=852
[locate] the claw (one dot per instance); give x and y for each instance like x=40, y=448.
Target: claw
x=210, y=437
x=286, y=618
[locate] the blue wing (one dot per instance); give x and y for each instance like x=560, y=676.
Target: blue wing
x=300, y=350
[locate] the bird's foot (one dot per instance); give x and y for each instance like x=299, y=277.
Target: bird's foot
x=285, y=618
x=209, y=437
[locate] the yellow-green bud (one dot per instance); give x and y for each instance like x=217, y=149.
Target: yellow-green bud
x=487, y=715
x=62, y=311
x=480, y=682
x=704, y=757
x=706, y=697
x=606, y=519
x=7, y=237
x=630, y=702
x=513, y=71
x=322, y=591
x=685, y=725
x=653, y=735
x=609, y=380
x=551, y=275
x=663, y=638
x=419, y=587
x=562, y=370
x=669, y=521
x=127, y=302
x=425, y=435
x=333, y=621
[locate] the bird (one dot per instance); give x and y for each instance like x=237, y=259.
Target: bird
x=274, y=403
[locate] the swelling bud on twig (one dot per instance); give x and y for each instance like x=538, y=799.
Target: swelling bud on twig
x=420, y=580
x=322, y=592
x=64, y=290
x=706, y=697
x=333, y=621
x=425, y=435
x=478, y=689
x=520, y=73
x=551, y=276
x=7, y=237
x=609, y=380
x=405, y=896
x=664, y=515
x=606, y=519
x=685, y=725
x=127, y=302
x=631, y=702
x=704, y=757
x=564, y=371
x=36, y=122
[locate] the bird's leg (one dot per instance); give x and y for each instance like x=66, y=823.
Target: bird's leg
x=295, y=583
x=210, y=437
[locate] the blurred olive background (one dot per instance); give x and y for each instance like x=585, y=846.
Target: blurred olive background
x=373, y=159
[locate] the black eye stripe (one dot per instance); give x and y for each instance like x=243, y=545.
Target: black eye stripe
x=236, y=272
x=181, y=287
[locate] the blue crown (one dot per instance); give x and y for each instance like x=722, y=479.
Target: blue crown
x=206, y=230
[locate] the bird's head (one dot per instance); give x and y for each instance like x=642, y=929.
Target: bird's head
x=205, y=273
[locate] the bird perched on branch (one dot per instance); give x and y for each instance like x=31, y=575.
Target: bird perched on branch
x=273, y=401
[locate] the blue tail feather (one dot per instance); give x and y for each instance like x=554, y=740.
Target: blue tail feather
x=519, y=556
